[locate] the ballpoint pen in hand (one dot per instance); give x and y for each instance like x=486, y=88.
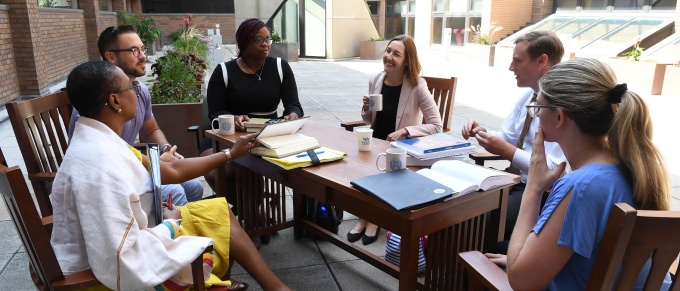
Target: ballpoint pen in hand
x=305, y=154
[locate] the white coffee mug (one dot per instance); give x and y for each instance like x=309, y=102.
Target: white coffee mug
x=364, y=138
x=225, y=123
x=395, y=159
x=375, y=102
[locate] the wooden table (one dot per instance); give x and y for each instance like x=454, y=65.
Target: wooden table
x=465, y=223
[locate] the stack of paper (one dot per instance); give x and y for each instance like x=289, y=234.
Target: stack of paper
x=284, y=145
x=435, y=146
x=255, y=124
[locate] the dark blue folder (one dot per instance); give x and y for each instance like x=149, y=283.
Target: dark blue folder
x=403, y=189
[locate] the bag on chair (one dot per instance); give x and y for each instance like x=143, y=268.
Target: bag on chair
x=393, y=250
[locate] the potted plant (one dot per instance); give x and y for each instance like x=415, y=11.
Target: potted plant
x=372, y=49
x=482, y=49
x=176, y=91
x=645, y=76
x=146, y=29
x=281, y=48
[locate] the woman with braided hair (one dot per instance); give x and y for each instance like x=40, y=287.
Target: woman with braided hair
x=606, y=134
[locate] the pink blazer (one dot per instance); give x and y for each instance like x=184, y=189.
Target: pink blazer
x=412, y=101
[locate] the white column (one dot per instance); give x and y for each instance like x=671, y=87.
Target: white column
x=423, y=29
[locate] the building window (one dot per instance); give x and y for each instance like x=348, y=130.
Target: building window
x=58, y=3
x=566, y=4
x=628, y=4
x=457, y=15
x=196, y=6
x=105, y=5
x=373, y=7
x=595, y=4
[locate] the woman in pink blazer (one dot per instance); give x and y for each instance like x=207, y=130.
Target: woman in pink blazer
x=405, y=96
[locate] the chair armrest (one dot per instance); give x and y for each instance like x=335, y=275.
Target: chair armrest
x=482, y=272
x=480, y=158
x=197, y=269
x=196, y=130
x=42, y=177
x=76, y=281
x=349, y=126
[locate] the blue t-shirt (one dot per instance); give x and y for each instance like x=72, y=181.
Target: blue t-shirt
x=595, y=189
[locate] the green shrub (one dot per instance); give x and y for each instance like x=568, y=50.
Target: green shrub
x=482, y=36
x=146, y=26
x=636, y=52
x=178, y=78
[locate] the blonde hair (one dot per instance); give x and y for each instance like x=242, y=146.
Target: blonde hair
x=413, y=67
x=587, y=91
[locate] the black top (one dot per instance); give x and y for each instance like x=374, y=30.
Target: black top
x=246, y=94
x=386, y=119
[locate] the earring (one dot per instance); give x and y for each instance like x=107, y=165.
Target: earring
x=120, y=111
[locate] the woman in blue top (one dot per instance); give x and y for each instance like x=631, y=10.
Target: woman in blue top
x=606, y=134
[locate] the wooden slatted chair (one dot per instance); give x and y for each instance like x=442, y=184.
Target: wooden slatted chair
x=41, y=128
x=444, y=93
x=630, y=239
x=35, y=236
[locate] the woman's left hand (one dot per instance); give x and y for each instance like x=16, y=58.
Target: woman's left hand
x=243, y=144
x=397, y=135
x=540, y=176
x=291, y=116
x=498, y=259
x=171, y=214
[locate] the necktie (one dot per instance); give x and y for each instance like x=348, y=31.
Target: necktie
x=525, y=129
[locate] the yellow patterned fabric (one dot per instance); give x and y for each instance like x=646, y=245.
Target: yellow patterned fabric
x=137, y=153
x=198, y=219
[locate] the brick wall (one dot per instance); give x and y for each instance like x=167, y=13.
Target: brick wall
x=170, y=23
x=510, y=17
x=62, y=42
x=541, y=9
x=107, y=19
x=9, y=84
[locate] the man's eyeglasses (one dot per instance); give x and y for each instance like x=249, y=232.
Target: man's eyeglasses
x=534, y=107
x=259, y=40
x=134, y=50
x=134, y=86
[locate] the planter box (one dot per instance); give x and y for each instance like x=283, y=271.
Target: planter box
x=671, y=84
x=479, y=53
x=503, y=57
x=173, y=120
x=372, y=50
x=285, y=50
x=642, y=77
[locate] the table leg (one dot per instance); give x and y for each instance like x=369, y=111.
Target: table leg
x=408, y=261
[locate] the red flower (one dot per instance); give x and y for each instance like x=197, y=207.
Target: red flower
x=190, y=16
x=186, y=22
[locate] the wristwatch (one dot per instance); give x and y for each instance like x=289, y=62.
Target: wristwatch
x=228, y=154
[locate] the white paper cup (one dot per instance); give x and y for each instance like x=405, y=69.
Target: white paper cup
x=364, y=138
x=375, y=102
x=395, y=159
x=225, y=123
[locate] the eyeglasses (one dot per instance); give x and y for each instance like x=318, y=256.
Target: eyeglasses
x=134, y=50
x=259, y=40
x=134, y=86
x=534, y=107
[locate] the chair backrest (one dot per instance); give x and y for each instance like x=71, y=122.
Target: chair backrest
x=29, y=225
x=630, y=239
x=41, y=128
x=444, y=93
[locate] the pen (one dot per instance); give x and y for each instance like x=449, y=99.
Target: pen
x=170, y=201
x=305, y=154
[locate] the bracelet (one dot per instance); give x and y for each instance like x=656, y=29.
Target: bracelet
x=228, y=154
x=166, y=147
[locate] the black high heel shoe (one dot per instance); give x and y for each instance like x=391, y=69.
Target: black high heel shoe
x=367, y=240
x=352, y=237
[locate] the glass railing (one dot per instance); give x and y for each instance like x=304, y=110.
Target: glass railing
x=666, y=52
x=623, y=37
